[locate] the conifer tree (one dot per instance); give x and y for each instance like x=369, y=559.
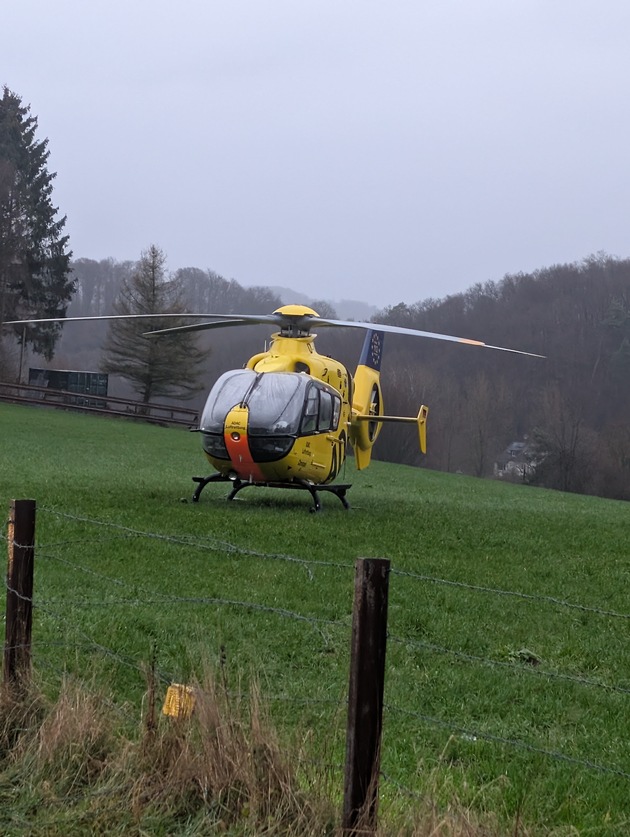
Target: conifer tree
x=162, y=366
x=34, y=257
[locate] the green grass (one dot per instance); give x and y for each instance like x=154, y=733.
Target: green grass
x=260, y=586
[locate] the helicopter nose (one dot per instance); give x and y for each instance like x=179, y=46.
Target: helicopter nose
x=236, y=442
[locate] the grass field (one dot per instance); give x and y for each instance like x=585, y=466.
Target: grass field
x=508, y=673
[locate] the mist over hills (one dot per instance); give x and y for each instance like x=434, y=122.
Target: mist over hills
x=346, y=309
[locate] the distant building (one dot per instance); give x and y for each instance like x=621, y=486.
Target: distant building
x=517, y=462
x=76, y=382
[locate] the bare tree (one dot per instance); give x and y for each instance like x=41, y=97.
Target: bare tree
x=566, y=448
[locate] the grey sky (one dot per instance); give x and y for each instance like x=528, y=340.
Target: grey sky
x=370, y=150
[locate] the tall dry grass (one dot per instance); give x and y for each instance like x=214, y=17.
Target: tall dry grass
x=66, y=767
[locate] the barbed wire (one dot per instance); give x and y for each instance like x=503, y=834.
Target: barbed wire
x=535, y=671
x=163, y=676
x=474, y=735
x=89, y=571
x=314, y=621
x=50, y=608
x=125, y=660
x=400, y=787
x=162, y=599
x=206, y=542
x=514, y=593
x=63, y=674
x=453, y=726
x=216, y=545
x=157, y=598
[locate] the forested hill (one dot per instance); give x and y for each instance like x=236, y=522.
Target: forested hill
x=98, y=283
x=571, y=408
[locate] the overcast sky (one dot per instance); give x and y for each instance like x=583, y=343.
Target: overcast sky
x=383, y=151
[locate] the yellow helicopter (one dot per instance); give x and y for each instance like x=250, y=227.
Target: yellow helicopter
x=286, y=419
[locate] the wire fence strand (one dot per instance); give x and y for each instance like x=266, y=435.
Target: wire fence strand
x=62, y=610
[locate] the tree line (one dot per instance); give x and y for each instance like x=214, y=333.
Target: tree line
x=571, y=408
x=181, y=366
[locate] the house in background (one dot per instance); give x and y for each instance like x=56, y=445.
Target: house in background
x=517, y=462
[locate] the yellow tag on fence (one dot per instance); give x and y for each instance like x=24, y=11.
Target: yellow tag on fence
x=179, y=701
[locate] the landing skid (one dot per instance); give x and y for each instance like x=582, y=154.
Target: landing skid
x=237, y=485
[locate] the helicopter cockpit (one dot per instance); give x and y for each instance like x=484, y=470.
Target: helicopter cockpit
x=281, y=406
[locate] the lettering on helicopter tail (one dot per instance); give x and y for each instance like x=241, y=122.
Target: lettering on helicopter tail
x=237, y=444
x=372, y=350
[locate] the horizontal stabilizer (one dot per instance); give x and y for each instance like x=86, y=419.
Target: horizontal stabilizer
x=420, y=420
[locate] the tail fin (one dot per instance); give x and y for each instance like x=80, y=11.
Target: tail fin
x=367, y=403
x=367, y=399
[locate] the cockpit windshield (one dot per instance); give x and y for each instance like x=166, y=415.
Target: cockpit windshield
x=274, y=401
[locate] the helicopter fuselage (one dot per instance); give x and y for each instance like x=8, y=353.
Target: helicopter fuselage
x=283, y=417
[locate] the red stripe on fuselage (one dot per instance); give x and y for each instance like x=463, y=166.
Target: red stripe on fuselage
x=235, y=436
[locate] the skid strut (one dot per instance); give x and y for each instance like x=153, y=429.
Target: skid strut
x=338, y=490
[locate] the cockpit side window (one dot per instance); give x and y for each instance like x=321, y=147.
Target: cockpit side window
x=325, y=410
x=329, y=410
x=322, y=409
x=336, y=412
x=311, y=411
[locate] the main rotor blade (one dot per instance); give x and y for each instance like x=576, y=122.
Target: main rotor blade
x=222, y=321
x=301, y=322
x=203, y=326
x=122, y=317
x=414, y=332
x=307, y=321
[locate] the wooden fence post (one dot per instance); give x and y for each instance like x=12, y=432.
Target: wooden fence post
x=365, y=698
x=19, y=607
